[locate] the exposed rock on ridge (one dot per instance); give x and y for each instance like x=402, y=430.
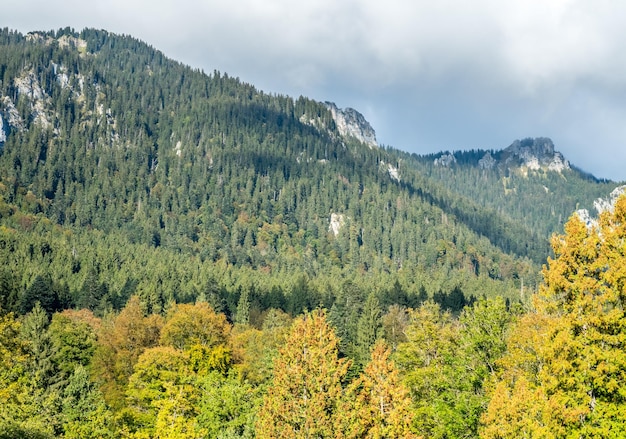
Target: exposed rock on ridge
x=337, y=221
x=535, y=154
x=394, y=172
x=3, y=134
x=36, y=97
x=527, y=154
x=601, y=205
x=487, y=162
x=445, y=160
x=352, y=123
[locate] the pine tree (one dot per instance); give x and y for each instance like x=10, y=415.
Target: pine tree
x=368, y=328
x=40, y=347
x=243, y=308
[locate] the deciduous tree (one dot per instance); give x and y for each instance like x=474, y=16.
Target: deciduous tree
x=197, y=324
x=301, y=401
x=573, y=358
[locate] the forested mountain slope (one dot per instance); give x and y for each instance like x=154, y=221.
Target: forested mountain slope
x=182, y=255
x=528, y=182
x=123, y=172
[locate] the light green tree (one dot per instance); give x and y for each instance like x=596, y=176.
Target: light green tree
x=228, y=405
x=445, y=363
x=84, y=412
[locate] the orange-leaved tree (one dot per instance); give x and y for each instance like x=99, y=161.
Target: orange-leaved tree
x=376, y=405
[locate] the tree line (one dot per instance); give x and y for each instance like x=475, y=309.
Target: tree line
x=495, y=370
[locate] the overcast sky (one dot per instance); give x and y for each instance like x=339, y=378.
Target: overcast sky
x=428, y=75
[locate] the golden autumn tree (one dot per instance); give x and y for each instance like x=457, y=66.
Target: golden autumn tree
x=302, y=399
x=200, y=332
x=189, y=325
x=121, y=341
x=376, y=405
x=568, y=359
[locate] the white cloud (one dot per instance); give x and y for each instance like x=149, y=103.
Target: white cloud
x=475, y=72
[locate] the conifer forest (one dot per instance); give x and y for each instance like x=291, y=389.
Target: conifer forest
x=185, y=256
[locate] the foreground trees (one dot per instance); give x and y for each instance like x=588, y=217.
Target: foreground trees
x=302, y=400
x=564, y=373
x=376, y=404
x=490, y=371
x=306, y=398
x=445, y=362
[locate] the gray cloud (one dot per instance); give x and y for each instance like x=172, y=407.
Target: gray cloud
x=428, y=75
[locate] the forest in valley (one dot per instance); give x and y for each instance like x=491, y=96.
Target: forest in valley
x=185, y=256
x=553, y=368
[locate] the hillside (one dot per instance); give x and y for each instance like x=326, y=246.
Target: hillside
x=529, y=182
x=116, y=159
x=183, y=255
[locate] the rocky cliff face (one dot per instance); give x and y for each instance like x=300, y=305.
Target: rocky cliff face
x=352, y=123
x=3, y=132
x=535, y=154
x=601, y=205
x=37, y=98
x=526, y=154
x=446, y=160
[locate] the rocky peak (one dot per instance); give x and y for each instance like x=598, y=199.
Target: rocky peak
x=352, y=123
x=535, y=154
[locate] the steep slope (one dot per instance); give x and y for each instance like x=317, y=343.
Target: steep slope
x=528, y=183
x=104, y=140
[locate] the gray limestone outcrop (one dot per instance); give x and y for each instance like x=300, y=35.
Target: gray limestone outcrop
x=352, y=123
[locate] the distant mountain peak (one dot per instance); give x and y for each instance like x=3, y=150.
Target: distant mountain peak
x=535, y=154
x=530, y=154
x=352, y=123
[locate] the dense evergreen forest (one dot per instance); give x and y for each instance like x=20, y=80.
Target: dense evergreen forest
x=183, y=255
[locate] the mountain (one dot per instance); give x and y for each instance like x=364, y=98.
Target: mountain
x=351, y=123
x=124, y=172
x=529, y=182
x=527, y=154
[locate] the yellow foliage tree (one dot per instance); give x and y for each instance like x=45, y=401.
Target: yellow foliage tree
x=572, y=356
x=376, y=405
x=196, y=324
x=301, y=401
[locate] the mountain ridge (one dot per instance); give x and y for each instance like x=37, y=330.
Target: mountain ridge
x=111, y=140
x=528, y=154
